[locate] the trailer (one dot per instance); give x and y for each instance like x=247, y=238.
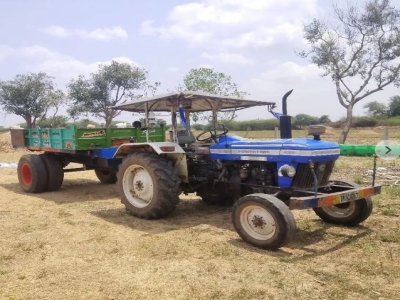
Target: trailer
x=262, y=180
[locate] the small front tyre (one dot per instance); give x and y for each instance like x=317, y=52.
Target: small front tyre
x=349, y=213
x=263, y=221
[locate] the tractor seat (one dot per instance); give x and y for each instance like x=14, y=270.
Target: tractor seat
x=184, y=137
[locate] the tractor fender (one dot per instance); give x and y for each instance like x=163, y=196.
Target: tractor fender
x=172, y=151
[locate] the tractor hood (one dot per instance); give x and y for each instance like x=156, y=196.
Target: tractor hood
x=295, y=150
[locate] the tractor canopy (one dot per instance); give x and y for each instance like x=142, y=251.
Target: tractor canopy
x=193, y=101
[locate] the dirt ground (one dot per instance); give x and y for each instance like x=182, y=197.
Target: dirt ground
x=80, y=243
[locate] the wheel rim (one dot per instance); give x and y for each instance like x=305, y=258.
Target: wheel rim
x=258, y=222
x=341, y=210
x=26, y=174
x=138, y=186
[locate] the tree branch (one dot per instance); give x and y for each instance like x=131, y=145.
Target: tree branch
x=339, y=91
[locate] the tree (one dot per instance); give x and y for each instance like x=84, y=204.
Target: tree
x=209, y=81
x=376, y=109
x=324, y=119
x=53, y=122
x=394, y=106
x=111, y=85
x=302, y=120
x=31, y=97
x=360, y=44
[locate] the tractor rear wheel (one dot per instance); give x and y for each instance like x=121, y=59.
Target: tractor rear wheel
x=32, y=173
x=148, y=185
x=55, y=171
x=106, y=176
x=349, y=213
x=263, y=221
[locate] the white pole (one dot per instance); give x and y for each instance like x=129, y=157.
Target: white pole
x=276, y=132
x=147, y=121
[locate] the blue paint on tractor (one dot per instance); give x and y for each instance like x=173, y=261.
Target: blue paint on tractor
x=299, y=150
x=280, y=151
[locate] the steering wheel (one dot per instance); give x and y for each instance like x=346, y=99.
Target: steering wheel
x=213, y=134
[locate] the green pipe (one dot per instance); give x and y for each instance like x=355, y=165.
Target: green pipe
x=356, y=150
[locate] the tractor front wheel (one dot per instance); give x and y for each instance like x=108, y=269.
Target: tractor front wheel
x=263, y=221
x=148, y=185
x=349, y=213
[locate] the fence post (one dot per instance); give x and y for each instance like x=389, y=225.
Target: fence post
x=386, y=134
x=276, y=133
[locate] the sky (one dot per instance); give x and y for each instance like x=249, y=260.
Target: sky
x=253, y=41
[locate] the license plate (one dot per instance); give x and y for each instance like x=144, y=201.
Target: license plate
x=349, y=197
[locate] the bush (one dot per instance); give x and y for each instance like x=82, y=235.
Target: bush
x=364, y=122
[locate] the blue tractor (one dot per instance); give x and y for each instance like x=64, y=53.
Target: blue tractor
x=263, y=179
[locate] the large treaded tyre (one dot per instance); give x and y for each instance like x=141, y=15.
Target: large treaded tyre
x=32, y=173
x=148, y=185
x=263, y=221
x=350, y=213
x=105, y=176
x=55, y=171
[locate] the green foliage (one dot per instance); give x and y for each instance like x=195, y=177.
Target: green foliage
x=376, y=109
x=324, y=119
x=302, y=120
x=30, y=96
x=362, y=121
x=53, y=122
x=394, y=106
x=83, y=123
x=251, y=125
x=198, y=127
x=110, y=85
x=209, y=81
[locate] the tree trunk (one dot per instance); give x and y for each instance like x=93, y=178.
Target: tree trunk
x=108, y=121
x=347, y=125
x=28, y=121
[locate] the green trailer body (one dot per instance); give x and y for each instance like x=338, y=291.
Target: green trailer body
x=73, y=138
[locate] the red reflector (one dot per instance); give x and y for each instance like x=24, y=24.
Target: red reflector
x=167, y=148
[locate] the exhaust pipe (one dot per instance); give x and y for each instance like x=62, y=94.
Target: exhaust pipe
x=285, y=121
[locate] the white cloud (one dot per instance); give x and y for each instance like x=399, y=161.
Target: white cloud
x=5, y=51
x=63, y=67
x=234, y=23
x=57, y=31
x=228, y=58
x=99, y=34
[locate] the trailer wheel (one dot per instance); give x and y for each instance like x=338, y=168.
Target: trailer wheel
x=148, y=185
x=55, y=171
x=32, y=173
x=105, y=176
x=263, y=221
x=350, y=213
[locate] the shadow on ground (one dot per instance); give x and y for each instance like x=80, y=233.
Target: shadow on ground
x=72, y=191
x=192, y=213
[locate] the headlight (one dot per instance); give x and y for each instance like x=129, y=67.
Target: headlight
x=287, y=171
